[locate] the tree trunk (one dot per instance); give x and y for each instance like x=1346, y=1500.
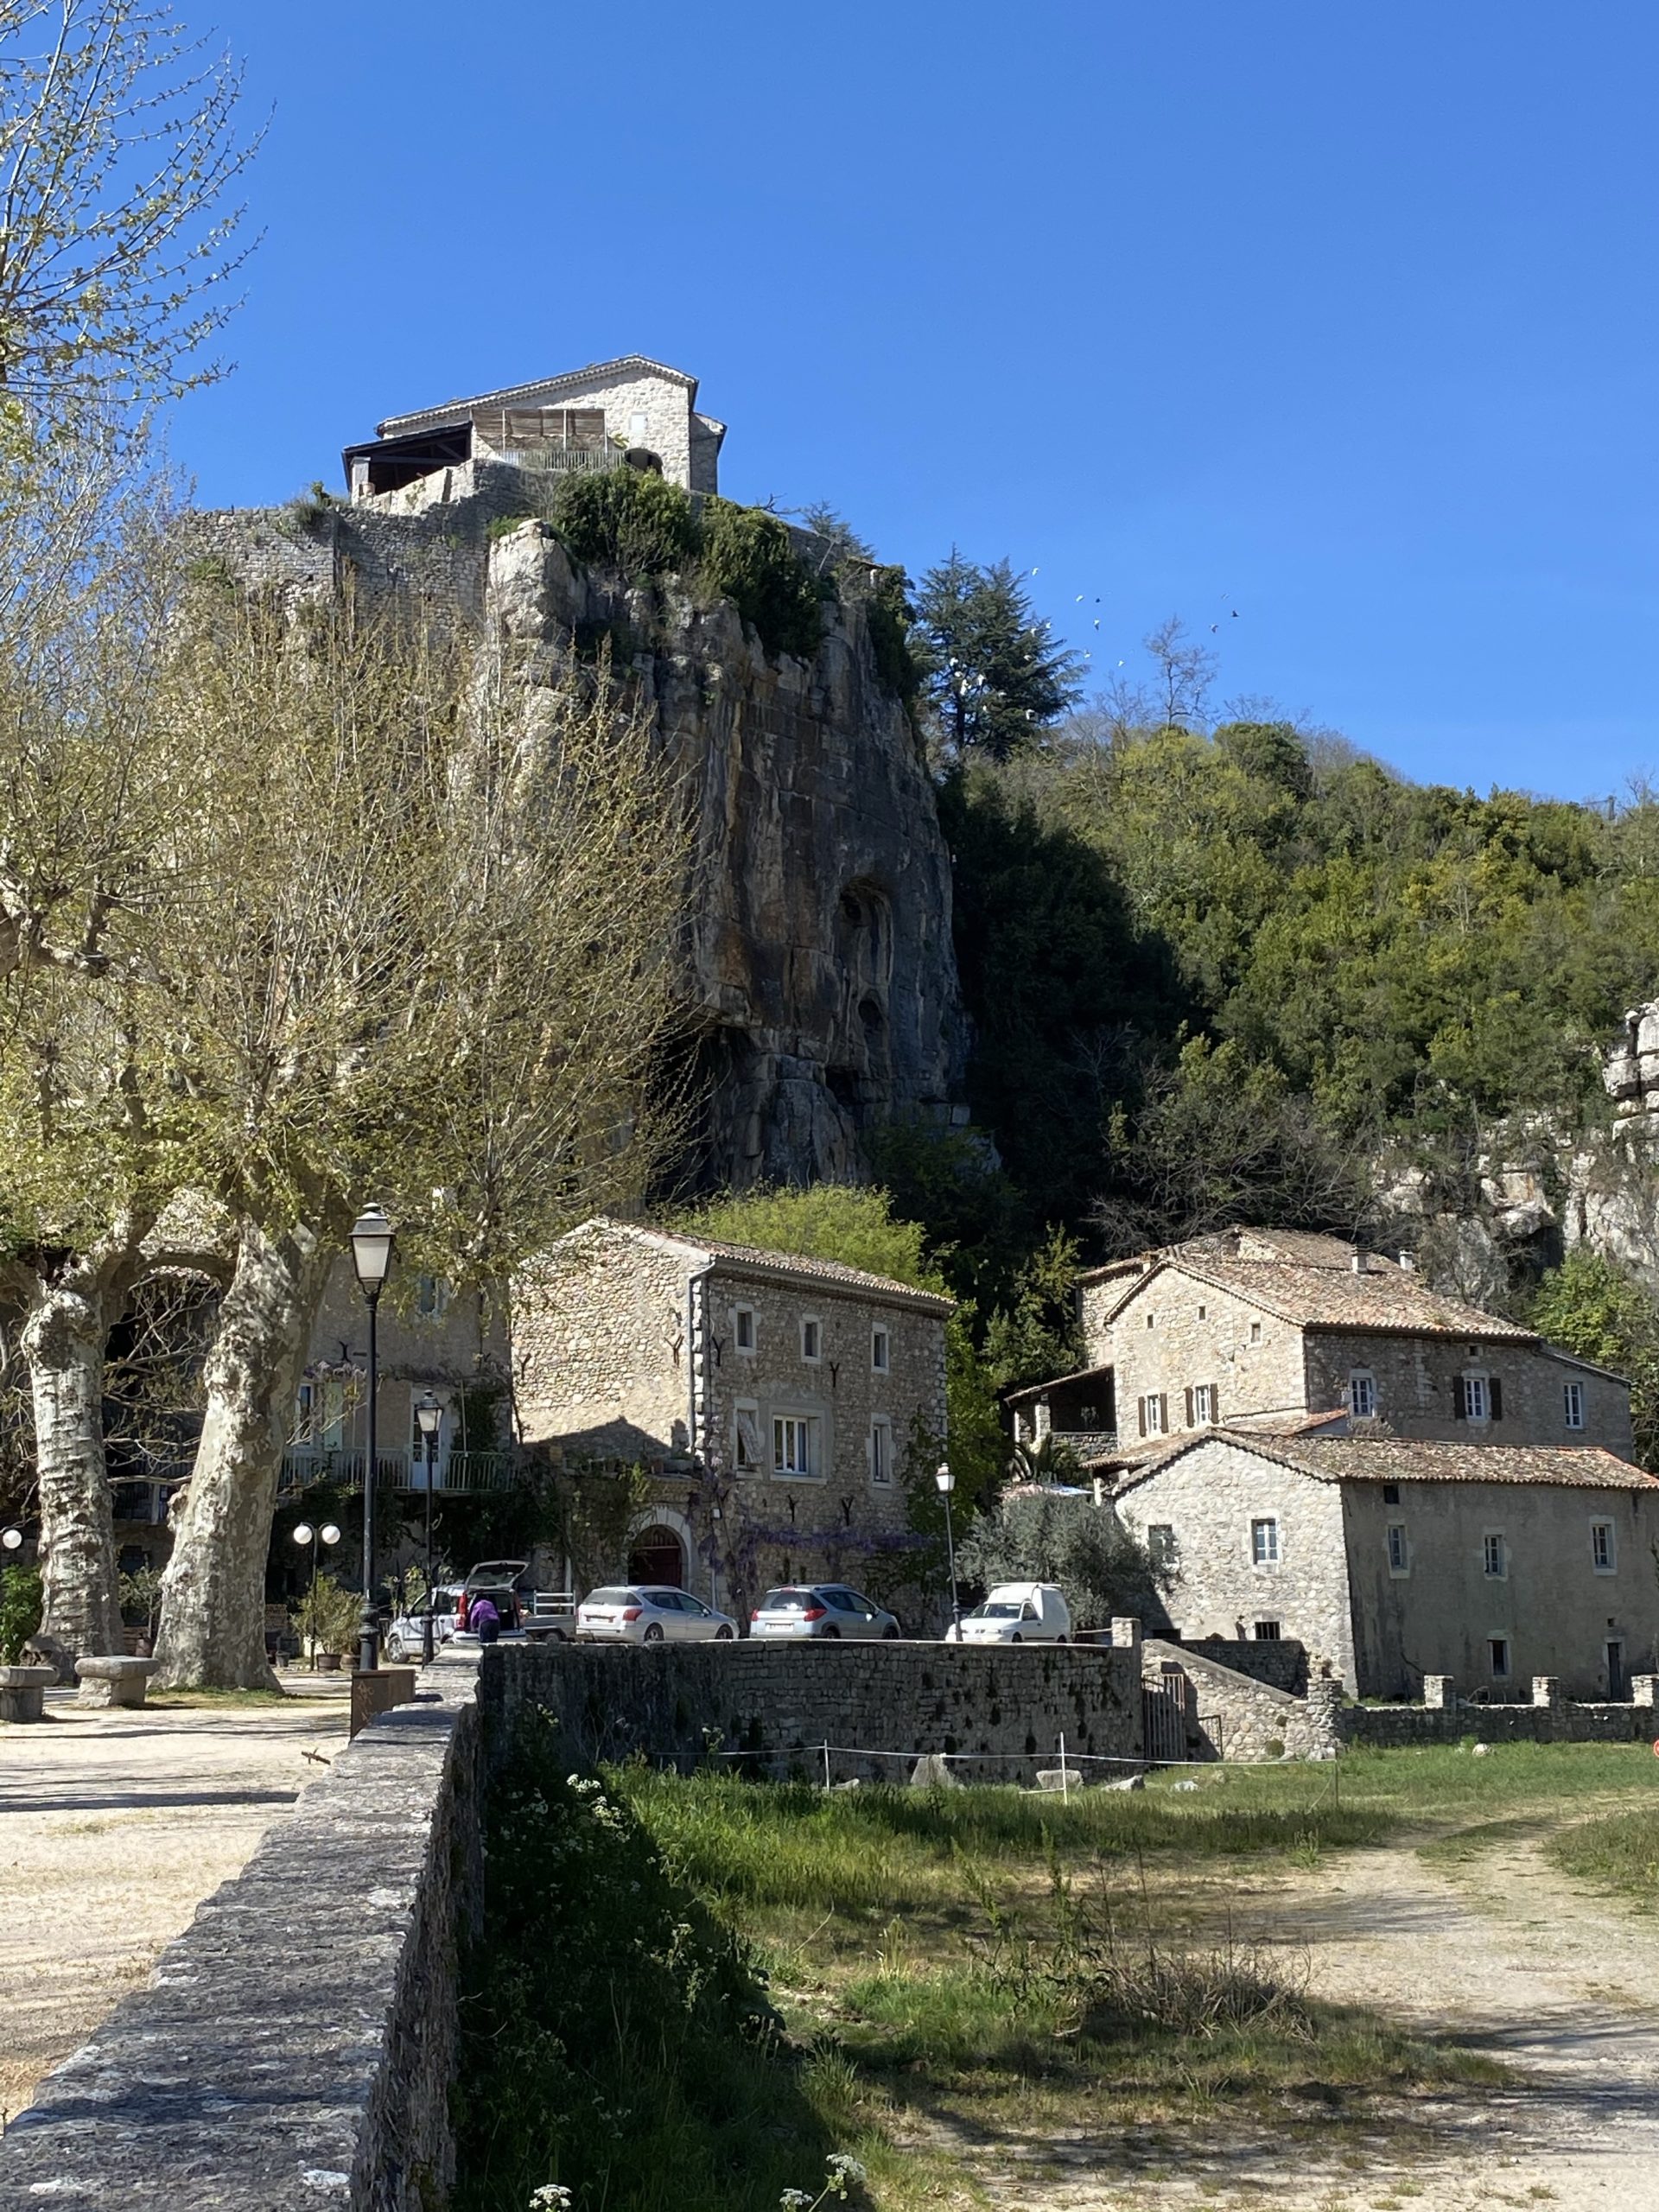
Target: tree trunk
x=64, y=1335
x=214, y=1591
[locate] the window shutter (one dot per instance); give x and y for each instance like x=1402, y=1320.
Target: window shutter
x=1496, y=1390
x=1189, y=1405
x=1215, y=1403
x=1140, y=1407
x=1459, y=1399
x=1163, y=1413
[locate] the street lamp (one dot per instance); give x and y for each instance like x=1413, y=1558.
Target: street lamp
x=947, y=1482
x=12, y=1539
x=305, y=1533
x=372, y=1241
x=429, y=1413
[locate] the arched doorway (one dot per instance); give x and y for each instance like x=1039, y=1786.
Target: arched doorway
x=656, y=1555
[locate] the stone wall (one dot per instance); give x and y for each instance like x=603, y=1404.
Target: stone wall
x=1282, y=1666
x=1414, y=1378
x=782, y=1702
x=1175, y=1332
x=294, y=2046
x=1386, y=1727
x=1233, y=1718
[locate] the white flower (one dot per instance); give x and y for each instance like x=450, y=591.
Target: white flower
x=551, y=2197
x=844, y=2171
x=796, y=2200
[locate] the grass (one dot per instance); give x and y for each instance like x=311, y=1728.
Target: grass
x=694, y=1991
x=1618, y=1853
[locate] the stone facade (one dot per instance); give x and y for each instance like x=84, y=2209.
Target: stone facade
x=1436, y=1572
x=1234, y=1716
x=778, y=1398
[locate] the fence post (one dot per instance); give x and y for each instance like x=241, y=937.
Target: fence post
x=1065, y=1791
x=824, y=1748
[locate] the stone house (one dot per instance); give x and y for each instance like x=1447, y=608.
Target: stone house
x=1268, y=1328
x=775, y=1403
x=582, y=421
x=1396, y=1558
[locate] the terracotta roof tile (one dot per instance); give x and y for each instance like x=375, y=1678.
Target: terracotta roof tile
x=1401, y=1460
x=786, y=1264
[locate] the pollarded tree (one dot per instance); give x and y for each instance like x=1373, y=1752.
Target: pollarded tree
x=411, y=935
x=993, y=675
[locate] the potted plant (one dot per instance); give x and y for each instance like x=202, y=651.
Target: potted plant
x=327, y=1619
x=22, y=1688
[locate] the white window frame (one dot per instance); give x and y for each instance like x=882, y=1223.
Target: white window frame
x=1572, y=1404
x=1362, y=1394
x=1604, y=1547
x=1203, y=1410
x=813, y=1333
x=881, y=1349
x=1494, y=1555
x=881, y=1449
x=795, y=1440
x=740, y=1466
x=1265, y=1548
x=1152, y=1413
x=1399, y=1548
x=740, y=1314
x=1477, y=1397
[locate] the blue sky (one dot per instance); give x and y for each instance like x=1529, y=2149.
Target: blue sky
x=1339, y=314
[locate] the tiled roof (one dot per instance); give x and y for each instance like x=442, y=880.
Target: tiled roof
x=422, y=418
x=1036, y=1389
x=1312, y=1282
x=1400, y=1459
x=790, y=1266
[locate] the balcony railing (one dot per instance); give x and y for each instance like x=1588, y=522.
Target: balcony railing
x=302, y=1466
x=561, y=461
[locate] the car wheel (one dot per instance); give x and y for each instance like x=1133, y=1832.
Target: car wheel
x=723, y=1636
x=654, y=1632
x=889, y=1636
x=830, y=1632
x=1016, y=1637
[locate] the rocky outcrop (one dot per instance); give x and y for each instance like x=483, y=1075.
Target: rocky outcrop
x=819, y=978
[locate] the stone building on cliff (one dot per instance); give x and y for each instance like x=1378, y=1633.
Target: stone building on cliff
x=775, y=1403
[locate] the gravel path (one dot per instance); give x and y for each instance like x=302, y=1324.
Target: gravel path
x=1501, y=1951
x=113, y=1827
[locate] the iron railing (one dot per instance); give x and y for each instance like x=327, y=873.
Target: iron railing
x=460, y=1471
x=561, y=461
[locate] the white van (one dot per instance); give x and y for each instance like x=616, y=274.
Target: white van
x=1017, y=1613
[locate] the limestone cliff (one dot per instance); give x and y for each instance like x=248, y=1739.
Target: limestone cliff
x=819, y=978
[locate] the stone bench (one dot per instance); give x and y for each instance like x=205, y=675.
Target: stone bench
x=114, y=1681
x=22, y=1689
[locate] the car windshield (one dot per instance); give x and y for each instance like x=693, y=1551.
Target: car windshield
x=611, y=1598
x=787, y=1601
x=1003, y=1612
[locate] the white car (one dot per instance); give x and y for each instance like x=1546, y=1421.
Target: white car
x=1016, y=1613
x=649, y=1613
x=404, y=1638
x=823, y=1609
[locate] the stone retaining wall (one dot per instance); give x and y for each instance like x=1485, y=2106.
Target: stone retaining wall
x=1384, y=1728
x=1283, y=1664
x=1233, y=1718
x=782, y=1702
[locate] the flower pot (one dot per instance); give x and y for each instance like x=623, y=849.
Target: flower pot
x=22, y=1689
x=328, y=1663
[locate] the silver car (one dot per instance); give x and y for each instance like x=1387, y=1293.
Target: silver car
x=650, y=1613
x=825, y=1610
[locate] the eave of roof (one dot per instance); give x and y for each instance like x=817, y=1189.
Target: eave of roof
x=794, y=1268
x=1037, y=1389
x=1460, y=1323
x=1364, y=1459
x=460, y=410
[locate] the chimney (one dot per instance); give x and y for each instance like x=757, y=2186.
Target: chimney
x=1359, y=1261
x=1408, y=1264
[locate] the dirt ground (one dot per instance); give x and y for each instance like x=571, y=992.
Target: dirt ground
x=1500, y=1950
x=113, y=1827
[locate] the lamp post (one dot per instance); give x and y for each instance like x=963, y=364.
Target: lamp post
x=305, y=1533
x=947, y=1482
x=371, y=1242
x=429, y=1413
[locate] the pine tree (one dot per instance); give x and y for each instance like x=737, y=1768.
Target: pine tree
x=992, y=674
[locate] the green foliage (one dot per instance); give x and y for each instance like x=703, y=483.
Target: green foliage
x=1600, y=1311
x=21, y=1603
x=991, y=673
x=831, y=1221
x=628, y=519
x=329, y=1616
x=891, y=617
x=749, y=558
x=616, y=2041
x=1072, y=1540
x=501, y=526
x=141, y=1598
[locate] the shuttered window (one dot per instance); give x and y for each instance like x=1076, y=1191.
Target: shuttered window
x=509, y=429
